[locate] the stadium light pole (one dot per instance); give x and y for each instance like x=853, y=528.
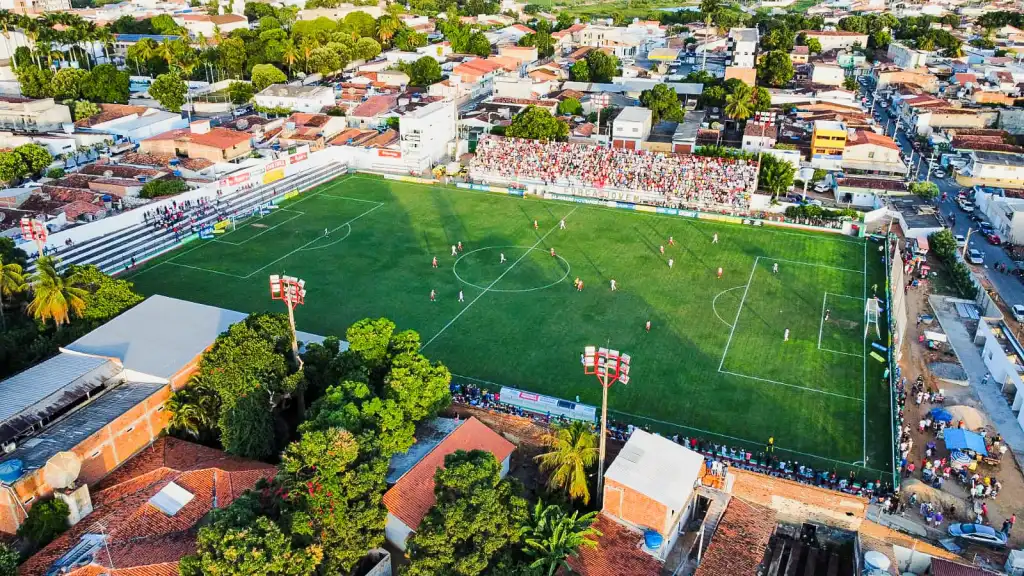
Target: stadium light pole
x=601, y=101
x=292, y=291
x=609, y=366
x=36, y=231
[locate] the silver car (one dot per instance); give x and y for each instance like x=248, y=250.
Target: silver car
x=978, y=533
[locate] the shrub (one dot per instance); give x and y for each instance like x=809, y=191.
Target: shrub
x=55, y=173
x=163, y=187
x=46, y=520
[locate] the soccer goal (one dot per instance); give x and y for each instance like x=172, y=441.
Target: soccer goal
x=871, y=313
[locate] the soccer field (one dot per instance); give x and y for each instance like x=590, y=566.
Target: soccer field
x=715, y=362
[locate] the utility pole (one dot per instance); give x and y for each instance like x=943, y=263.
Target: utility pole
x=967, y=241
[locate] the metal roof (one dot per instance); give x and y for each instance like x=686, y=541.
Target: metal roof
x=158, y=337
x=657, y=468
x=73, y=429
x=47, y=388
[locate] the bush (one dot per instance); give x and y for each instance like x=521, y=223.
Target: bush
x=943, y=245
x=8, y=560
x=163, y=187
x=55, y=173
x=46, y=520
x=962, y=281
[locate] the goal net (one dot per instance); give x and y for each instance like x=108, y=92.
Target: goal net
x=871, y=314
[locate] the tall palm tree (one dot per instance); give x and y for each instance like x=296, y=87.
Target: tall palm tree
x=737, y=104
x=308, y=45
x=387, y=27
x=166, y=52
x=553, y=536
x=11, y=282
x=56, y=296
x=289, y=55
x=573, y=450
x=194, y=409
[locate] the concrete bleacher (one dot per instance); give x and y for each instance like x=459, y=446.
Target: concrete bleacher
x=113, y=252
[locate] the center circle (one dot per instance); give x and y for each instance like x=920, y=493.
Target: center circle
x=533, y=268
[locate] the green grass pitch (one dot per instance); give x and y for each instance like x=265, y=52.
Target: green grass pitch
x=715, y=361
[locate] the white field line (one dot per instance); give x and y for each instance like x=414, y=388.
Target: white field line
x=815, y=265
x=262, y=232
x=201, y=269
x=776, y=382
x=496, y=280
x=864, y=353
x=821, y=325
x=738, y=310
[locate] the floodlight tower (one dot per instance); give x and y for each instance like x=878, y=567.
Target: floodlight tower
x=601, y=101
x=609, y=366
x=35, y=230
x=293, y=292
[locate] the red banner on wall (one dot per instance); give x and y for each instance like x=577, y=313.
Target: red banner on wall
x=295, y=158
x=388, y=153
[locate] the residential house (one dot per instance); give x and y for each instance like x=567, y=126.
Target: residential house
x=827, y=74
x=209, y=24
x=624, y=43
x=799, y=55
x=747, y=75
x=35, y=7
x=868, y=152
x=42, y=115
x=296, y=98
x=524, y=54
x=315, y=130
x=130, y=123
x=651, y=486
x=886, y=76
x=828, y=140
x=740, y=542
x=631, y=127
x=996, y=169
x=144, y=516
x=427, y=131
x=836, y=39
x=906, y=57
x=373, y=112
x=412, y=496
x=199, y=140
x=864, y=192
x=508, y=35
x=757, y=137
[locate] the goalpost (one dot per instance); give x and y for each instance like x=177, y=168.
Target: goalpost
x=871, y=313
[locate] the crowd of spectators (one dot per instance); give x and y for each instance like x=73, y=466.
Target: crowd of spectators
x=180, y=217
x=682, y=180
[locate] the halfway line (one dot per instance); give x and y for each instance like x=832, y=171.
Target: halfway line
x=496, y=280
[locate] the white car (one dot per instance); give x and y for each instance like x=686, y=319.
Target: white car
x=961, y=240
x=940, y=173
x=1018, y=312
x=821, y=187
x=974, y=256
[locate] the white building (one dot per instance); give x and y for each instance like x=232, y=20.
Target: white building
x=742, y=46
x=296, y=98
x=41, y=115
x=208, y=25
x=758, y=137
x=906, y=57
x=35, y=6
x=427, y=131
x=631, y=127
x=836, y=39
x=827, y=74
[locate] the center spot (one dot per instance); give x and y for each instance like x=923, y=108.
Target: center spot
x=525, y=269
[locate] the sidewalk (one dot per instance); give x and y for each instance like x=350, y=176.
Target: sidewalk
x=970, y=358
x=901, y=523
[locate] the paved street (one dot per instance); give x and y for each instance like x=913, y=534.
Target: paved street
x=1010, y=289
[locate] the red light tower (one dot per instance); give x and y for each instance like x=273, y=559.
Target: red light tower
x=610, y=366
x=292, y=291
x=36, y=231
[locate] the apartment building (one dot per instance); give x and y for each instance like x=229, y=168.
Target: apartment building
x=43, y=115
x=631, y=127
x=742, y=47
x=828, y=140
x=906, y=57
x=427, y=130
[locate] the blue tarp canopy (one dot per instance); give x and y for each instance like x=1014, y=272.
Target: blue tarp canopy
x=957, y=439
x=940, y=414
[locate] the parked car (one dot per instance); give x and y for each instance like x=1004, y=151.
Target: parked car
x=1018, y=312
x=966, y=206
x=961, y=240
x=979, y=533
x=939, y=173
x=821, y=187
x=985, y=227
x=974, y=256
x=994, y=239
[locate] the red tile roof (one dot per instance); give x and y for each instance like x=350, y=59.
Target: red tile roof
x=110, y=112
x=413, y=495
x=375, y=105
x=219, y=138
x=861, y=137
x=739, y=543
x=942, y=567
x=142, y=540
x=75, y=209
x=964, y=78
x=164, y=161
x=618, y=553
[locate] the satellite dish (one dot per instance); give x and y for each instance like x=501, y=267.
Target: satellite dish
x=62, y=470
x=108, y=173
x=242, y=124
x=874, y=560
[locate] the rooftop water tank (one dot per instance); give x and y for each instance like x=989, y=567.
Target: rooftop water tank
x=652, y=540
x=10, y=470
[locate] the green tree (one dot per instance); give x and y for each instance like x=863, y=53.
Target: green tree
x=943, y=244
x=779, y=38
x=12, y=281
x=407, y=39
x=232, y=55
x=55, y=173
x=761, y=99
x=476, y=515
x=776, y=175
x=424, y=72
x=247, y=425
x=163, y=187
x=713, y=97
x=37, y=158
x=166, y=26
x=552, y=536
x=570, y=106
x=926, y=190
x=194, y=411
x=12, y=166
x=814, y=46
x=854, y=24
x=603, y=67
x=67, y=84
x=9, y=559
x=738, y=104
x=241, y=92
x=663, y=103
x=479, y=44
x=85, y=109
x=366, y=49
x=34, y=81
x=537, y=124
x=107, y=84
x=850, y=83
x=580, y=71
x=775, y=69
x=45, y=521
x=386, y=27
x=258, y=548
x=361, y=23
x=880, y=40
x=169, y=90
x=265, y=75
x=55, y=296
x=106, y=296
x=572, y=450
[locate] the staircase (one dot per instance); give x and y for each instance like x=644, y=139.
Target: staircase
x=113, y=252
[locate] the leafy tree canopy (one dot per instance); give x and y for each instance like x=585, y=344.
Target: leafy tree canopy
x=169, y=90
x=537, y=124
x=662, y=102
x=775, y=69
x=264, y=75
x=241, y=92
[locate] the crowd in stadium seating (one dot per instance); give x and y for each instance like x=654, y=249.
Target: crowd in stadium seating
x=180, y=216
x=681, y=179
